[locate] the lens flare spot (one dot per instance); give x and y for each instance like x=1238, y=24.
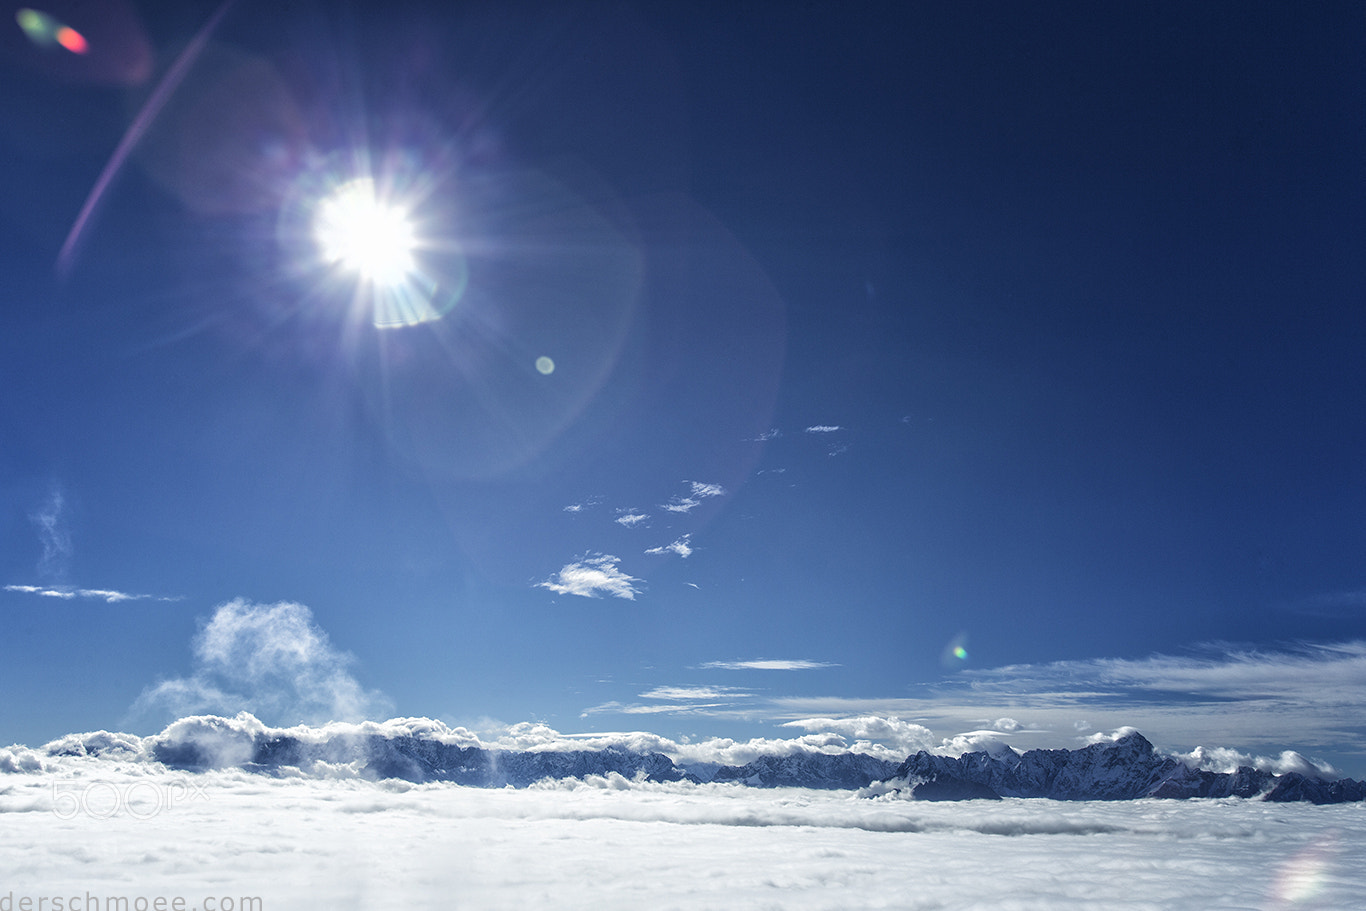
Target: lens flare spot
x=956, y=652
x=361, y=232
x=545, y=366
x=39, y=27
x=45, y=31
x=1303, y=877
x=72, y=40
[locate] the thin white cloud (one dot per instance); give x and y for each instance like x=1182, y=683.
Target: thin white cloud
x=591, y=577
x=823, y=428
x=768, y=664
x=653, y=708
x=50, y=522
x=771, y=434
x=268, y=659
x=631, y=518
x=680, y=547
x=67, y=594
x=703, y=491
x=680, y=504
x=695, y=692
x=1305, y=697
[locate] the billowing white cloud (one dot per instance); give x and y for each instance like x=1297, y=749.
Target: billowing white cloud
x=268, y=659
x=902, y=737
x=993, y=742
x=67, y=594
x=768, y=664
x=591, y=577
x=680, y=547
x=1223, y=759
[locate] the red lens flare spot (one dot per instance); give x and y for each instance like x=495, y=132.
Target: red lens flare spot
x=72, y=40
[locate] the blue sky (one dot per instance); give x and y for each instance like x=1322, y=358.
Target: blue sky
x=877, y=333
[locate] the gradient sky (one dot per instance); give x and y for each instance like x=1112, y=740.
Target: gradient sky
x=963, y=363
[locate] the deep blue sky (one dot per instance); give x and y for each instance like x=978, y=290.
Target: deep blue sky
x=1035, y=330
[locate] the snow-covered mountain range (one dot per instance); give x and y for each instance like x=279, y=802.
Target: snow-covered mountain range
x=1124, y=768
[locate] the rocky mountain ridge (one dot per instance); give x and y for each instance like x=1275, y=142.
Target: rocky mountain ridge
x=1126, y=769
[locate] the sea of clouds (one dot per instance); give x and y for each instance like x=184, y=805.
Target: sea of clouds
x=92, y=817
x=103, y=826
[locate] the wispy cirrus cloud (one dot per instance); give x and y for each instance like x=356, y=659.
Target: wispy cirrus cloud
x=697, y=492
x=68, y=594
x=768, y=664
x=1306, y=696
x=591, y=577
x=835, y=448
x=712, y=701
x=695, y=692
x=50, y=522
x=630, y=518
x=680, y=547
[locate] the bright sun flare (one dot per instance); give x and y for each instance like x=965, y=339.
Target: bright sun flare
x=357, y=230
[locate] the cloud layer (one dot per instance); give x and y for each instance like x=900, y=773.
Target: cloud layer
x=609, y=843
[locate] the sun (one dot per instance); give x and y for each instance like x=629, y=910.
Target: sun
x=358, y=231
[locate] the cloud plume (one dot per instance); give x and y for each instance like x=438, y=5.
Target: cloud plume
x=271, y=660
